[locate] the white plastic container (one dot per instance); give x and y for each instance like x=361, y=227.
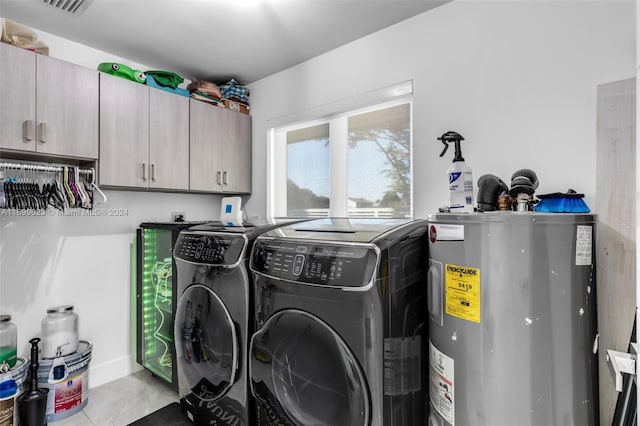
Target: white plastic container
x=8, y=341
x=460, y=177
x=59, y=332
x=460, y=187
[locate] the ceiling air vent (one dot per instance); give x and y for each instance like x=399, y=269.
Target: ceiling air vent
x=75, y=7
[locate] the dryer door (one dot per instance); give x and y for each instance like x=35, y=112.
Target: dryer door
x=304, y=374
x=206, y=344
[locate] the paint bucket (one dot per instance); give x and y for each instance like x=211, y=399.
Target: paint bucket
x=67, y=379
x=18, y=373
x=8, y=390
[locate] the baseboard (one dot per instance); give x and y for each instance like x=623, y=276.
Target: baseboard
x=112, y=370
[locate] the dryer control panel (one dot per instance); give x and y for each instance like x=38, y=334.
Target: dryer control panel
x=209, y=249
x=315, y=263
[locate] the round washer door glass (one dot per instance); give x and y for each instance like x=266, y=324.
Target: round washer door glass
x=303, y=373
x=206, y=343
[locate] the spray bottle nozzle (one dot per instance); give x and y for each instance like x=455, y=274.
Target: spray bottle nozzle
x=454, y=137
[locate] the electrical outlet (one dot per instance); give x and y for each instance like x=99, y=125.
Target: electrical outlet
x=178, y=216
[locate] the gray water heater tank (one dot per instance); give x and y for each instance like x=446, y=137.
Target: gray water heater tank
x=512, y=328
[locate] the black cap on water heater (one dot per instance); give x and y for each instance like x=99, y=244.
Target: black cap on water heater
x=454, y=137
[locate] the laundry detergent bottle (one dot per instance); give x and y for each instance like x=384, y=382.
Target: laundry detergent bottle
x=460, y=176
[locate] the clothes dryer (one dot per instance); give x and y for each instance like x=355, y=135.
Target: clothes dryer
x=341, y=323
x=214, y=321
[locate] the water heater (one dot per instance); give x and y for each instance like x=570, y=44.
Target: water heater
x=512, y=319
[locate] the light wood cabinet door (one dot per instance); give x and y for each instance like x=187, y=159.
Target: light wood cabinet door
x=67, y=109
x=220, y=149
x=124, y=132
x=168, y=140
x=206, y=141
x=236, y=167
x=17, y=98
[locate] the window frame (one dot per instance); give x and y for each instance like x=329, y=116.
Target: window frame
x=338, y=148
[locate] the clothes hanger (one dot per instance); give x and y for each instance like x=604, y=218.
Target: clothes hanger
x=74, y=186
x=3, y=199
x=28, y=189
x=42, y=196
x=87, y=200
x=8, y=190
x=56, y=194
x=67, y=188
x=93, y=186
x=22, y=197
x=60, y=190
x=74, y=190
x=34, y=185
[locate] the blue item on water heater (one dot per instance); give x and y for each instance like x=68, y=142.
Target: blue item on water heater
x=460, y=176
x=231, y=211
x=569, y=202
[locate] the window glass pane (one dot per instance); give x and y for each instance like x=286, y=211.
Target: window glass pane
x=308, y=182
x=379, y=163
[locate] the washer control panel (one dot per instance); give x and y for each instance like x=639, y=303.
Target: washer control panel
x=315, y=263
x=209, y=249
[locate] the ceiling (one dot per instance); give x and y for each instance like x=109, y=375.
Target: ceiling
x=215, y=40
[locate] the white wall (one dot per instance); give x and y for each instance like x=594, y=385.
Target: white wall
x=516, y=79
x=85, y=261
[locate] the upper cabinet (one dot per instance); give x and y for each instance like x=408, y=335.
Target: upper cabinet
x=66, y=108
x=144, y=136
x=236, y=134
x=168, y=140
x=124, y=132
x=48, y=106
x=17, y=98
x=220, y=149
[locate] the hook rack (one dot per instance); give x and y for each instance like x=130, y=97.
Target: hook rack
x=41, y=168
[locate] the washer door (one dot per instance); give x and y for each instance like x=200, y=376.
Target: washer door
x=303, y=373
x=206, y=344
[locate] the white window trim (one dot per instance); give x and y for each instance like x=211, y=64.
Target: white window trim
x=336, y=114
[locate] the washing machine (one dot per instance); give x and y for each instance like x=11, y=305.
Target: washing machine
x=213, y=321
x=341, y=323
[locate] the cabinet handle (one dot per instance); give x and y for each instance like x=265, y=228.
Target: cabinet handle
x=144, y=171
x=219, y=178
x=225, y=177
x=27, y=130
x=42, y=130
x=153, y=172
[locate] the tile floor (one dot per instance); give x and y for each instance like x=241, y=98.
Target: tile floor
x=122, y=401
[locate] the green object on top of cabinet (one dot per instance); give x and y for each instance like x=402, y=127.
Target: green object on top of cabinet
x=47, y=106
x=144, y=136
x=166, y=78
x=220, y=149
x=121, y=70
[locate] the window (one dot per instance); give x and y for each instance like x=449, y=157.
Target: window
x=308, y=171
x=355, y=164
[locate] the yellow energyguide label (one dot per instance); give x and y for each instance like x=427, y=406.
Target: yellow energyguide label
x=462, y=289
